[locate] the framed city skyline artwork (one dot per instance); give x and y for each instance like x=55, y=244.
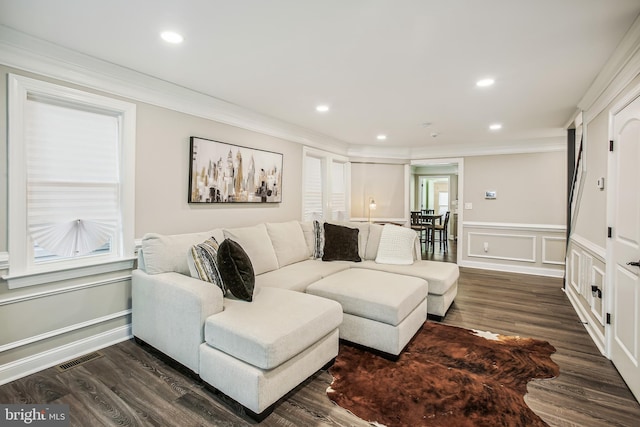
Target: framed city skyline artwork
x=227, y=173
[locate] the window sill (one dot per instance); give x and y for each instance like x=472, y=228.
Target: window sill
x=22, y=280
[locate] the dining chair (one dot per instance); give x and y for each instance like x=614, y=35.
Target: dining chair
x=418, y=224
x=442, y=230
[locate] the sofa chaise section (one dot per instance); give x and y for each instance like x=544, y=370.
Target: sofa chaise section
x=257, y=352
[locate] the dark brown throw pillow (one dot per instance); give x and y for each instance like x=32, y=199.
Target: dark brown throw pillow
x=340, y=243
x=236, y=270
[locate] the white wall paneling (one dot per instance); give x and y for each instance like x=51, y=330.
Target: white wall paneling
x=597, y=304
x=510, y=247
x=516, y=247
x=575, y=270
x=46, y=359
x=553, y=250
x=586, y=268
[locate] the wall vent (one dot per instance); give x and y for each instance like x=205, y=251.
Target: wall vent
x=79, y=361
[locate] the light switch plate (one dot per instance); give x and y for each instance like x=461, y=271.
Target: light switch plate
x=468, y=205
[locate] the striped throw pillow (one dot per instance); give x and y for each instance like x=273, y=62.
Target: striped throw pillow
x=318, y=232
x=203, y=263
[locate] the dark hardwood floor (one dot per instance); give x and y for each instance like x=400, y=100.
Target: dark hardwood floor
x=440, y=254
x=131, y=386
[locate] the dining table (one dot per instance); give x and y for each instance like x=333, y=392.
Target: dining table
x=430, y=220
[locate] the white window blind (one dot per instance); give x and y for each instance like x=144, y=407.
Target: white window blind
x=73, y=206
x=313, y=189
x=338, y=191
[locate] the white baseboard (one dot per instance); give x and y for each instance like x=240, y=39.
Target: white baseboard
x=37, y=362
x=594, y=332
x=536, y=271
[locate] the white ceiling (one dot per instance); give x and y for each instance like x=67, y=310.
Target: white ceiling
x=383, y=66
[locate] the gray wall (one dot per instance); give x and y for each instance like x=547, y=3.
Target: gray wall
x=530, y=187
x=162, y=173
x=385, y=183
x=523, y=229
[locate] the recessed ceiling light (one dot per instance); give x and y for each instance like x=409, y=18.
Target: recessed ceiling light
x=485, y=82
x=495, y=126
x=171, y=37
x=322, y=108
x=381, y=137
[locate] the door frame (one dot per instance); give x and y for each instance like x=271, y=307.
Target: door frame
x=612, y=191
x=460, y=162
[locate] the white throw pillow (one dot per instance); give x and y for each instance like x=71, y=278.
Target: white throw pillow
x=257, y=244
x=396, y=245
x=288, y=242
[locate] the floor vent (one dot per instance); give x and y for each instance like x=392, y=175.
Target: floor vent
x=79, y=361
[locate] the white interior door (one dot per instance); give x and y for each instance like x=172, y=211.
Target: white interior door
x=625, y=245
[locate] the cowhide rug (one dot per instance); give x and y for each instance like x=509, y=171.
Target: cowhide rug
x=447, y=376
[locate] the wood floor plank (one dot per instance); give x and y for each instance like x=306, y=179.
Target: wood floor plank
x=132, y=386
x=99, y=399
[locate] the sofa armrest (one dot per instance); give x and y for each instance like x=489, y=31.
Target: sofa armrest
x=169, y=311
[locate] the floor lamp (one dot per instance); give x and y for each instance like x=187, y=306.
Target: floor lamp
x=372, y=206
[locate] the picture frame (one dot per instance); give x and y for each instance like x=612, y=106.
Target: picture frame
x=220, y=172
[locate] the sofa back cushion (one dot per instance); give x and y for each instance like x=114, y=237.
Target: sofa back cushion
x=257, y=244
x=166, y=253
x=308, y=231
x=375, y=232
x=288, y=242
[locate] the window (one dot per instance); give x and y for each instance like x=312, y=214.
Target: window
x=71, y=160
x=326, y=186
x=338, y=191
x=312, y=197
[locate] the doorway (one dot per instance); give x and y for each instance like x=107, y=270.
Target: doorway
x=437, y=184
x=434, y=193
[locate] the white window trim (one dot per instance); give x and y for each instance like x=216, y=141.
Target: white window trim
x=22, y=271
x=327, y=159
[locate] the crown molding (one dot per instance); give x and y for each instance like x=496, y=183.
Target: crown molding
x=536, y=145
x=27, y=53
x=620, y=69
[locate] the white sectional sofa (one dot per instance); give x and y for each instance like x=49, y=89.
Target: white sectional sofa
x=256, y=352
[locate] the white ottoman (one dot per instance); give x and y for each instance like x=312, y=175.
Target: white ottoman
x=381, y=310
x=256, y=352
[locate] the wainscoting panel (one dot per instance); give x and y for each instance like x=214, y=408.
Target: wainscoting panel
x=510, y=247
x=48, y=324
x=523, y=248
x=587, y=268
x=553, y=250
x=575, y=271
x=597, y=306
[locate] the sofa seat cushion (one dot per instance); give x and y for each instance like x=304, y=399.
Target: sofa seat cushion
x=298, y=276
x=295, y=277
x=375, y=295
x=272, y=329
x=440, y=275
